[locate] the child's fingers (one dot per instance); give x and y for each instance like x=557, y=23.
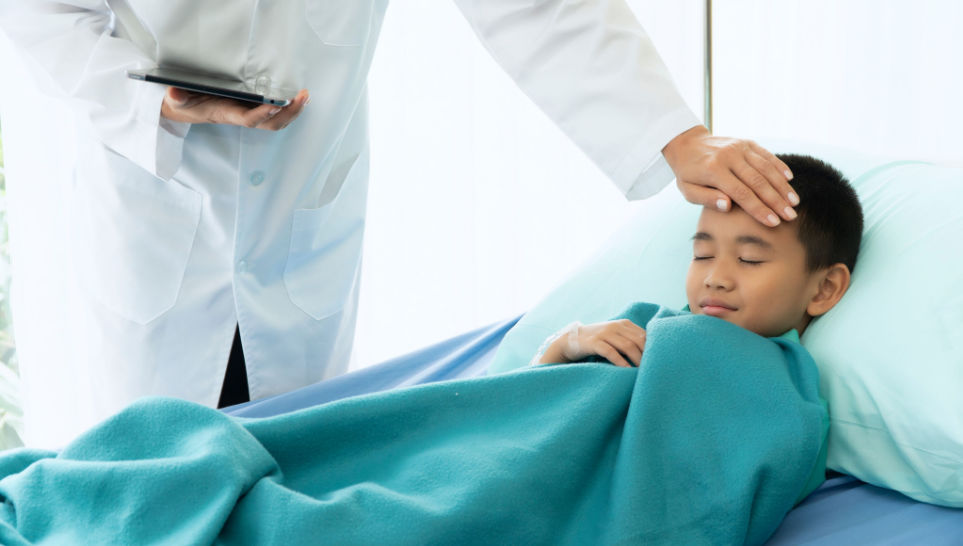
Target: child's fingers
x=632, y=331
x=609, y=353
x=636, y=336
x=628, y=347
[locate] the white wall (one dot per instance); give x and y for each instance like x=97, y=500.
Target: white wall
x=883, y=77
x=478, y=204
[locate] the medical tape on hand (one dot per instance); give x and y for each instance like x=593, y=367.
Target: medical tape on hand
x=572, y=331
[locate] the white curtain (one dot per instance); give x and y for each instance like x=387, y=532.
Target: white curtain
x=478, y=204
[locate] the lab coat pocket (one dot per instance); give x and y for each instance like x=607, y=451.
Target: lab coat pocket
x=132, y=235
x=323, y=260
x=340, y=22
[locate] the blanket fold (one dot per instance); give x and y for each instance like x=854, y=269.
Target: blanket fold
x=710, y=441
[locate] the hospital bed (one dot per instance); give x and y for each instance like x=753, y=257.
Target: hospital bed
x=843, y=511
x=889, y=359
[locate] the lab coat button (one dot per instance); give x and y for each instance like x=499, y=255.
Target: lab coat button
x=257, y=177
x=242, y=266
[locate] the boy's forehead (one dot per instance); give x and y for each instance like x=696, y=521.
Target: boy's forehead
x=731, y=221
x=737, y=223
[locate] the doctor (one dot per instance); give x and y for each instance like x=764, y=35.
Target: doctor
x=187, y=229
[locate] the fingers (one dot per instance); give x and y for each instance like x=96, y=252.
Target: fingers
x=705, y=196
x=177, y=97
x=183, y=98
x=630, y=348
x=186, y=106
x=782, y=182
x=778, y=175
x=612, y=355
x=280, y=118
x=746, y=173
x=766, y=176
x=621, y=343
x=253, y=118
x=757, y=196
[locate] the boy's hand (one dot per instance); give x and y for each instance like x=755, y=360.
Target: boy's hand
x=190, y=107
x=714, y=171
x=621, y=342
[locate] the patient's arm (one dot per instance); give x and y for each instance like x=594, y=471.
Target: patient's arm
x=621, y=342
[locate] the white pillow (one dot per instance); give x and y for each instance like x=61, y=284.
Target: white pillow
x=890, y=353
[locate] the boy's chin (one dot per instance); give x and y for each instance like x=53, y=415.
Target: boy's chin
x=762, y=330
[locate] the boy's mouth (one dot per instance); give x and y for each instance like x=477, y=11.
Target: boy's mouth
x=715, y=308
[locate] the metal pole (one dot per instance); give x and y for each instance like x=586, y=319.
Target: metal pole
x=708, y=66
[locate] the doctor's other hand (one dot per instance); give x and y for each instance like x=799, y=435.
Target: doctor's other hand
x=190, y=107
x=714, y=171
x=621, y=342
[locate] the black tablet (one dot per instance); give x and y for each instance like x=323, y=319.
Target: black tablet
x=201, y=83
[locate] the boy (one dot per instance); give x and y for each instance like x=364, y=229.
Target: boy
x=770, y=281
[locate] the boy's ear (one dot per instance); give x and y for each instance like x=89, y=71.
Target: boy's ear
x=833, y=283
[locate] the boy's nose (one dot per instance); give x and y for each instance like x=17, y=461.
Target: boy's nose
x=716, y=279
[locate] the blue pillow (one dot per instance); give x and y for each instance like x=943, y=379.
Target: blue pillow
x=889, y=353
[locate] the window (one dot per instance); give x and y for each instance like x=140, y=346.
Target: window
x=10, y=411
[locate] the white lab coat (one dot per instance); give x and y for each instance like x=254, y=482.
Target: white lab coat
x=144, y=251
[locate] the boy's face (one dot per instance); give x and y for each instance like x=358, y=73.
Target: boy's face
x=749, y=274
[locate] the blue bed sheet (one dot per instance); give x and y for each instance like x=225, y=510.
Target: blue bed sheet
x=846, y=511
x=843, y=511
x=467, y=355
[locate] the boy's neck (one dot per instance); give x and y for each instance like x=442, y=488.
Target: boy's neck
x=803, y=323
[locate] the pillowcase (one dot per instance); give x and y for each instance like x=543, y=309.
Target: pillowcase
x=889, y=353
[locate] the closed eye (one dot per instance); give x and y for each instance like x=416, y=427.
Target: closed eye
x=697, y=258
x=751, y=262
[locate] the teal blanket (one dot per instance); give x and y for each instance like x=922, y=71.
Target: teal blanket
x=710, y=441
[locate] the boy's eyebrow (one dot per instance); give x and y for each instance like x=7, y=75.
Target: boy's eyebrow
x=753, y=240
x=742, y=239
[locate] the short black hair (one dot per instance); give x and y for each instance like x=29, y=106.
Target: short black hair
x=830, y=222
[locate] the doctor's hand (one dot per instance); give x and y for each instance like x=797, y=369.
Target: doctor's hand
x=714, y=171
x=621, y=342
x=190, y=107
